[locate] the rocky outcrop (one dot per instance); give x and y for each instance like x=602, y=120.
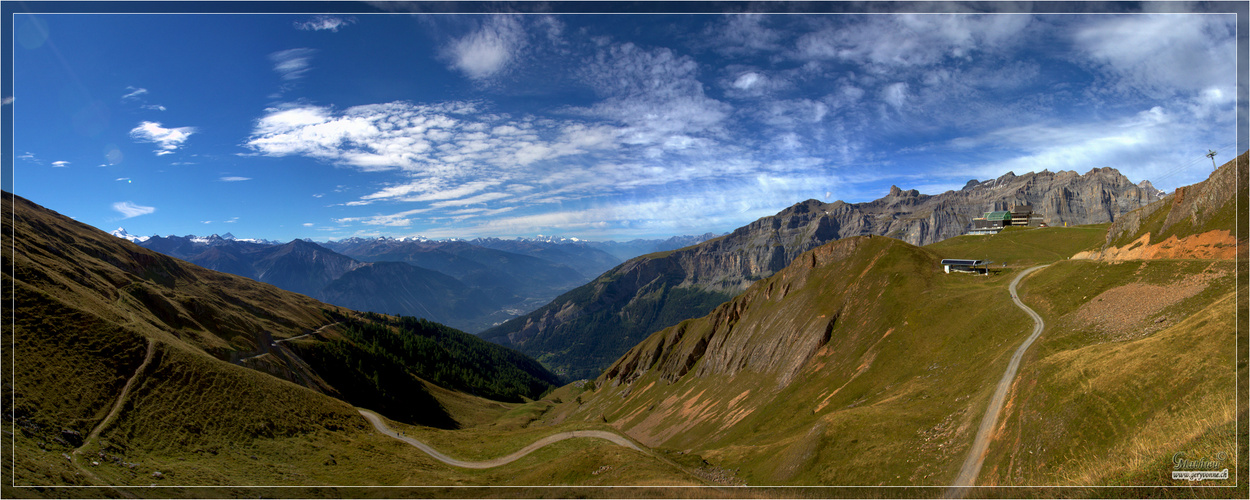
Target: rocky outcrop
x=1195, y=222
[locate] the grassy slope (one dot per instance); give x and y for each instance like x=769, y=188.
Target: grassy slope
x=1023, y=247
x=903, y=419
x=85, y=306
x=1099, y=404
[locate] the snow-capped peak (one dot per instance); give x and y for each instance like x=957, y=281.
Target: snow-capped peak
x=121, y=233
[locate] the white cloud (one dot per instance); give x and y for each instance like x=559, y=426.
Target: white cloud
x=61, y=163
x=488, y=50
x=169, y=139
x=743, y=34
x=7, y=100
x=235, y=179
x=895, y=94
x=309, y=224
x=750, y=80
x=887, y=43
x=1160, y=54
x=442, y=146
x=134, y=93
x=128, y=209
x=153, y=107
x=292, y=64
x=324, y=23
x=655, y=96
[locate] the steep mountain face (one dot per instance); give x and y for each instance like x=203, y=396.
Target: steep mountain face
x=302, y=266
x=1100, y=195
x=1197, y=221
x=580, y=331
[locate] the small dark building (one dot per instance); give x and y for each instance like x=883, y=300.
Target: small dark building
x=966, y=266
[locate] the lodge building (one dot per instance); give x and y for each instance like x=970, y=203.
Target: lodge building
x=1019, y=215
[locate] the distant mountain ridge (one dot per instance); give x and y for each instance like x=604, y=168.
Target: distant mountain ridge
x=501, y=278
x=582, y=331
x=305, y=267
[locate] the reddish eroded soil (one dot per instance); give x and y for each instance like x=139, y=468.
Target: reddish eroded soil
x=1219, y=244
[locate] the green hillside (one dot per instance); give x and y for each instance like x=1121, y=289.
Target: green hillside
x=1024, y=246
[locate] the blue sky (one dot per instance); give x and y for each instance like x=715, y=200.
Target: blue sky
x=285, y=126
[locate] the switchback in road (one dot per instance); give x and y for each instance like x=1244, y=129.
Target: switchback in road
x=381, y=426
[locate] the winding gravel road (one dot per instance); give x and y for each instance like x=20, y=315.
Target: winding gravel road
x=976, y=455
x=381, y=426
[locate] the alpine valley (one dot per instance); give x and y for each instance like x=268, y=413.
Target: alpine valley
x=470, y=285
x=581, y=332
x=855, y=362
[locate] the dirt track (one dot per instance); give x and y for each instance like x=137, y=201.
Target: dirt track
x=976, y=455
x=381, y=426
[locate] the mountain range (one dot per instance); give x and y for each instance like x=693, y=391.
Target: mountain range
x=582, y=331
x=469, y=284
x=862, y=363
x=857, y=363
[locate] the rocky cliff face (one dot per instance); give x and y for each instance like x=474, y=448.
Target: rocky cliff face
x=1101, y=195
x=1196, y=221
x=726, y=266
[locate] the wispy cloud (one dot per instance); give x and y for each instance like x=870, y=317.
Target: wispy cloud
x=488, y=50
x=292, y=64
x=128, y=209
x=168, y=139
x=134, y=92
x=1161, y=54
x=61, y=163
x=234, y=179
x=324, y=23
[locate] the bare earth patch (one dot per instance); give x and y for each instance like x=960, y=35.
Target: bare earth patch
x=1219, y=244
x=1123, y=312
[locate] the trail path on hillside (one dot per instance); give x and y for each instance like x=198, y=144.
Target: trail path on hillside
x=279, y=341
x=117, y=408
x=976, y=455
x=381, y=426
